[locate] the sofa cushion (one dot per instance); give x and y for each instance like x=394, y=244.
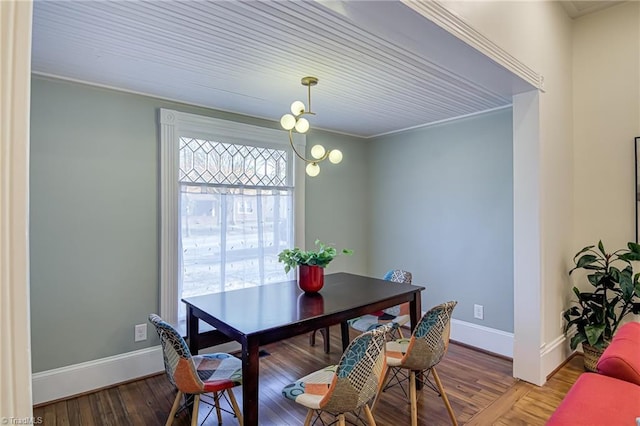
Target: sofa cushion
x=596, y=400
x=621, y=359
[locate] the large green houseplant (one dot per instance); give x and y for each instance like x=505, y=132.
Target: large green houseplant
x=615, y=293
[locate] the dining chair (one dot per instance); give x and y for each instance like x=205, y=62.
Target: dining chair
x=347, y=386
x=397, y=316
x=195, y=375
x=419, y=355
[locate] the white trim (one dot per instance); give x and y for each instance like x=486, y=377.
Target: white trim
x=489, y=339
x=76, y=379
x=15, y=328
x=455, y=25
x=175, y=100
x=445, y=120
x=554, y=354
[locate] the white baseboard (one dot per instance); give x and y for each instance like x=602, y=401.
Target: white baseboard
x=76, y=379
x=554, y=354
x=87, y=376
x=489, y=339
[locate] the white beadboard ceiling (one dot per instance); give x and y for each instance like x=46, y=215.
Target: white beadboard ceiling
x=381, y=66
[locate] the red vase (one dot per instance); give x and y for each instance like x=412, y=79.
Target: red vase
x=310, y=278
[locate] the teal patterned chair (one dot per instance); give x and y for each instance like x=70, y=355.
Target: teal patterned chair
x=347, y=386
x=196, y=375
x=397, y=316
x=421, y=353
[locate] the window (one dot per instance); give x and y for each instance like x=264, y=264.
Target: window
x=230, y=202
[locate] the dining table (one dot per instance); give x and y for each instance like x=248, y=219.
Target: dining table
x=259, y=315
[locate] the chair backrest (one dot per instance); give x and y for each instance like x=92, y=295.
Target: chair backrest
x=430, y=338
x=177, y=357
x=398, y=276
x=358, y=373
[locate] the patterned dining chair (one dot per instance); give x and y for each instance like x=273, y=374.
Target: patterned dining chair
x=397, y=316
x=421, y=353
x=347, y=386
x=199, y=374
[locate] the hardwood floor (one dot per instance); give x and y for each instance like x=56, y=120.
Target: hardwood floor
x=479, y=386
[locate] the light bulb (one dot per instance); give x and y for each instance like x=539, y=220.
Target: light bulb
x=288, y=121
x=302, y=125
x=335, y=156
x=313, y=169
x=297, y=108
x=317, y=151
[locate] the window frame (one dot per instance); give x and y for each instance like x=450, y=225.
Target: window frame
x=177, y=124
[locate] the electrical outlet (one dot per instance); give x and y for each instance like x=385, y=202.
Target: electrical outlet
x=140, y=333
x=478, y=311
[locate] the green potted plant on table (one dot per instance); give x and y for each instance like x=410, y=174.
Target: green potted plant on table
x=310, y=264
x=596, y=314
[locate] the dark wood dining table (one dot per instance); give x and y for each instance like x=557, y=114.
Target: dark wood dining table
x=265, y=314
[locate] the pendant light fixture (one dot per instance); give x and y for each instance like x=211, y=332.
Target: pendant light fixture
x=296, y=121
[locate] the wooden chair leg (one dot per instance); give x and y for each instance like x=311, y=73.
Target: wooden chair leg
x=174, y=409
x=400, y=332
x=216, y=403
x=196, y=407
x=444, y=396
x=341, y=420
x=312, y=338
x=307, y=420
x=326, y=339
x=234, y=405
x=413, y=398
x=370, y=418
x=380, y=387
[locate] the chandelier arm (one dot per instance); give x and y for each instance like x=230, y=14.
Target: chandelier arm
x=316, y=161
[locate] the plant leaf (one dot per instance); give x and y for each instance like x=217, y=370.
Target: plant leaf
x=593, y=333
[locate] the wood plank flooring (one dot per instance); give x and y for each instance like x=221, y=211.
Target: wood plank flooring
x=480, y=388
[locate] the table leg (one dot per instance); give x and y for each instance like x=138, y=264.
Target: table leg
x=344, y=331
x=192, y=331
x=194, y=346
x=415, y=312
x=250, y=372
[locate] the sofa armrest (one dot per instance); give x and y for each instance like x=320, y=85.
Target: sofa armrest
x=621, y=359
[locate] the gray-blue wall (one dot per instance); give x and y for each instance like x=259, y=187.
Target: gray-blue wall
x=94, y=216
x=442, y=208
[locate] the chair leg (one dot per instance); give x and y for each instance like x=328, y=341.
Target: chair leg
x=234, y=405
x=307, y=420
x=381, y=386
x=370, y=418
x=444, y=396
x=216, y=403
x=196, y=406
x=174, y=409
x=414, y=402
x=326, y=339
x=341, y=420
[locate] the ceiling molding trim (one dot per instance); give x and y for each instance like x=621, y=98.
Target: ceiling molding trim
x=179, y=101
x=446, y=120
x=455, y=25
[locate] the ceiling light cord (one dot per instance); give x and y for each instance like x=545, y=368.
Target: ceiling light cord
x=296, y=121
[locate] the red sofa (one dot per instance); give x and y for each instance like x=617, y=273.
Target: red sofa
x=612, y=396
